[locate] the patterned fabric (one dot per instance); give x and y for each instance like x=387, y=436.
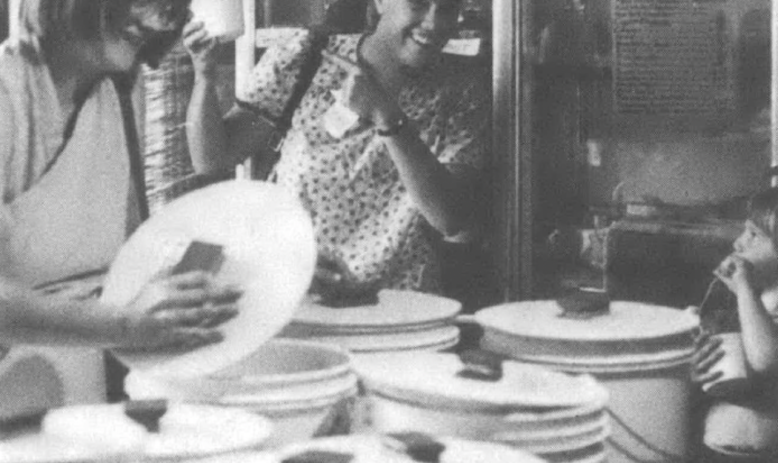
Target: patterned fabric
x=361, y=210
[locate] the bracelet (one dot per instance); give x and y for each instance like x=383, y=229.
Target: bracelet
x=394, y=129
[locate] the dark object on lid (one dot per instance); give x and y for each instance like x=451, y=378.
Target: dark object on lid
x=28, y=421
x=320, y=456
x=584, y=304
x=200, y=256
x=416, y=445
x=146, y=412
x=481, y=365
x=346, y=300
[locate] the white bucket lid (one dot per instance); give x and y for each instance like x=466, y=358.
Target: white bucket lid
x=616, y=359
x=432, y=380
x=378, y=449
x=269, y=253
x=437, y=338
x=395, y=309
x=102, y=432
x=626, y=321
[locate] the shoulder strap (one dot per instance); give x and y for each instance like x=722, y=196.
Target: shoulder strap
x=123, y=86
x=319, y=40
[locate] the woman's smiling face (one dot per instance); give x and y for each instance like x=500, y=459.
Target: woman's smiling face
x=142, y=25
x=417, y=29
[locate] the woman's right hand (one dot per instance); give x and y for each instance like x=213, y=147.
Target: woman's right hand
x=338, y=287
x=177, y=312
x=707, y=352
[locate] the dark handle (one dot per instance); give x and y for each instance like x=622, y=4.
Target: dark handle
x=481, y=365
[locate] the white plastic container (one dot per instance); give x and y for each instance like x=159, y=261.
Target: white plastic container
x=223, y=19
x=531, y=408
x=103, y=433
x=640, y=352
x=401, y=321
x=307, y=389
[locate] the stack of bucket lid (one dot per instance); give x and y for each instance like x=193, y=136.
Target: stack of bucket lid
x=398, y=321
x=409, y=447
x=307, y=389
x=559, y=417
x=111, y=433
x=640, y=353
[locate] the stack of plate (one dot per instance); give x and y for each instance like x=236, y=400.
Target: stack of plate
x=640, y=352
x=557, y=416
x=399, y=321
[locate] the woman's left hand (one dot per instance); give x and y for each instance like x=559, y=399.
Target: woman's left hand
x=363, y=94
x=201, y=47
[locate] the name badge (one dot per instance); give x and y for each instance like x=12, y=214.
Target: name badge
x=339, y=119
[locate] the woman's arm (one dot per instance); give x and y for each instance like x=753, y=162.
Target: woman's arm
x=446, y=199
x=177, y=311
x=217, y=144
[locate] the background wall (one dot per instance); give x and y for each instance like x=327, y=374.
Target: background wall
x=589, y=159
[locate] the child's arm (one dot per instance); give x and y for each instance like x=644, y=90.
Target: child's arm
x=760, y=334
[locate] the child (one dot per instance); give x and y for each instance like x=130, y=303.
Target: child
x=744, y=426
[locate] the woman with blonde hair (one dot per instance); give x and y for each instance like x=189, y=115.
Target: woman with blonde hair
x=69, y=180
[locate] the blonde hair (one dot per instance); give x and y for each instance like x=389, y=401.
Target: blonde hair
x=58, y=20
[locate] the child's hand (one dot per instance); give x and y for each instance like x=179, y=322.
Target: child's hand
x=707, y=352
x=736, y=273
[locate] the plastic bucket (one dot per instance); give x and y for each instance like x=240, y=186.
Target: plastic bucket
x=649, y=404
x=307, y=389
x=639, y=352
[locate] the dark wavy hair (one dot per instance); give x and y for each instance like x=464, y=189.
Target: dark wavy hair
x=54, y=20
x=763, y=211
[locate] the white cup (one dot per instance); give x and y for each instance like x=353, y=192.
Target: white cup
x=733, y=368
x=223, y=19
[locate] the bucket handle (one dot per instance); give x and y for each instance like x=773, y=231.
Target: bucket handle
x=667, y=457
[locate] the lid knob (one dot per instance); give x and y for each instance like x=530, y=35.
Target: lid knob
x=583, y=304
x=146, y=412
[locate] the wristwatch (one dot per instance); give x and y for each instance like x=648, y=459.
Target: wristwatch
x=393, y=129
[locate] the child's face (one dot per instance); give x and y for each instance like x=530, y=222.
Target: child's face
x=755, y=246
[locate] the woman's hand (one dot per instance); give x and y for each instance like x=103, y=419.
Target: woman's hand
x=337, y=286
x=707, y=352
x=363, y=94
x=177, y=312
x=201, y=47
x=736, y=272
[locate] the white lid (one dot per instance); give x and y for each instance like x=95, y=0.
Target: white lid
x=424, y=339
x=395, y=308
x=626, y=321
x=269, y=251
x=185, y=430
x=431, y=380
x=372, y=449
